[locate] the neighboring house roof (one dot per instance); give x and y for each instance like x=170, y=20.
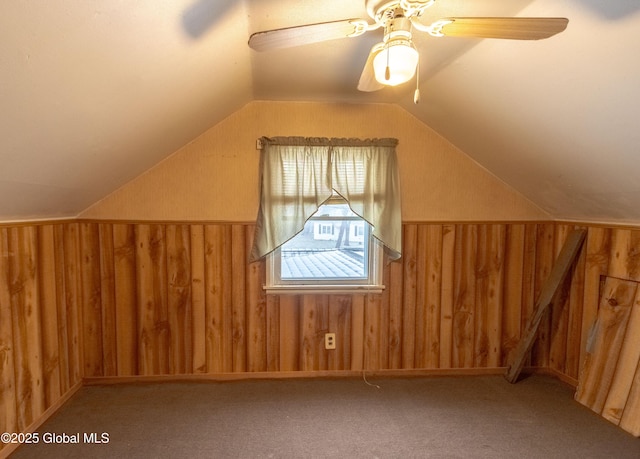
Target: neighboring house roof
x=324, y=264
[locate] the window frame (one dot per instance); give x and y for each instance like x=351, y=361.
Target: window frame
x=372, y=283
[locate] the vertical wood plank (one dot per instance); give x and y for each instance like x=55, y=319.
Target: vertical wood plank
x=91, y=300
x=178, y=247
x=409, y=277
x=633, y=256
x=496, y=302
x=340, y=324
x=431, y=278
x=357, y=332
x=395, y=315
x=545, y=257
x=623, y=256
x=62, y=332
x=198, y=302
x=108, y=301
x=308, y=333
x=125, y=282
x=289, y=333
x=446, y=295
x=482, y=289
x=512, y=297
x=239, y=294
x=23, y=280
x=322, y=327
x=153, y=313
x=256, y=311
x=48, y=314
x=8, y=405
x=433, y=281
x=272, y=331
x=464, y=296
x=420, y=345
x=313, y=327
x=489, y=299
x=372, y=347
x=148, y=347
x=385, y=314
x=73, y=291
x=219, y=349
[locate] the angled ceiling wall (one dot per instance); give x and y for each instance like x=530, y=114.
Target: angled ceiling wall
x=216, y=176
x=96, y=92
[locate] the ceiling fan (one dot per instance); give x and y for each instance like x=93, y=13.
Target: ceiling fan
x=394, y=60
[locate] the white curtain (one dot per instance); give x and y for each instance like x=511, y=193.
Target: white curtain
x=299, y=174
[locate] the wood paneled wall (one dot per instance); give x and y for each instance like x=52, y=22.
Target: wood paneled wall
x=188, y=302
x=84, y=299
x=40, y=321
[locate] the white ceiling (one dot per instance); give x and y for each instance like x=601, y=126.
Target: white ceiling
x=94, y=92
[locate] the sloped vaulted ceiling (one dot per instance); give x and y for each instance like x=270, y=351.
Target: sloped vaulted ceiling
x=556, y=119
x=94, y=92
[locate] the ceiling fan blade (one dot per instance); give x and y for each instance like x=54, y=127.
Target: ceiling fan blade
x=307, y=34
x=510, y=28
x=368, y=82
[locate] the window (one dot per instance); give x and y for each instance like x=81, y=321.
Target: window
x=334, y=251
x=328, y=207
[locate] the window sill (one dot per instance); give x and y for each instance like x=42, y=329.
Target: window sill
x=324, y=289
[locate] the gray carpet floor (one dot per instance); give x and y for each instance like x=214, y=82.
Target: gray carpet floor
x=436, y=417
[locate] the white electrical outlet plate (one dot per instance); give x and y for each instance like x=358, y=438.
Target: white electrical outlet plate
x=330, y=341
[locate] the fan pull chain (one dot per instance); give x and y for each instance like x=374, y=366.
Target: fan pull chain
x=387, y=70
x=416, y=94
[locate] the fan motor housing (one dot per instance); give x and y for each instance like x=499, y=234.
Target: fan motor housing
x=378, y=9
x=397, y=27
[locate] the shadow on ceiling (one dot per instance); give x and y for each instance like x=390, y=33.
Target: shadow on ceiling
x=201, y=16
x=612, y=9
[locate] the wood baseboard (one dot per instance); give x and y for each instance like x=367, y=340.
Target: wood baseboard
x=11, y=447
x=556, y=374
x=221, y=377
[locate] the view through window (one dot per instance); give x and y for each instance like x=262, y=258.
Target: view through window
x=334, y=244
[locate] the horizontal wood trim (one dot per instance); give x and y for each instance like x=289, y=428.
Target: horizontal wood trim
x=164, y=222
x=580, y=223
x=43, y=222
x=602, y=224
x=573, y=382
x=252, y=222
x=221, y=377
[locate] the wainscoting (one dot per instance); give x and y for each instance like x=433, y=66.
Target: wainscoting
x=101, y=299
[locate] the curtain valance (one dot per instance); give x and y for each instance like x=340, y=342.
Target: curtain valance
x=328, y=142
x=299, y=174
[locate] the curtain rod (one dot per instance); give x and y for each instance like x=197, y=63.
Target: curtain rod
x=343, y=141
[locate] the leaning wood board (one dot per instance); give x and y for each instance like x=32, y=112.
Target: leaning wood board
x=548, y=292
x=609, y=383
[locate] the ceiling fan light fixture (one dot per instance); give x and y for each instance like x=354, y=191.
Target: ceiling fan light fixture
x=396, y=63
